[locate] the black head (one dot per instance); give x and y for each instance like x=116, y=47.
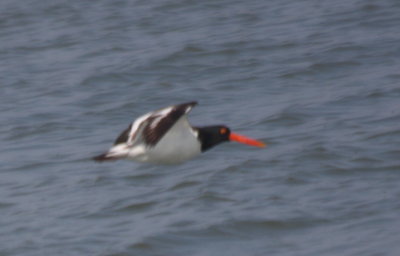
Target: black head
x=211, y=136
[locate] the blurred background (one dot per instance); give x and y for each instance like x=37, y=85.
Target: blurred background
x=318, y=81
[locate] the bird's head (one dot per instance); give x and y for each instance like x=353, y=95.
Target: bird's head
x=210, y=136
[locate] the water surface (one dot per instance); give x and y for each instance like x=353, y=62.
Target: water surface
x=317, y=80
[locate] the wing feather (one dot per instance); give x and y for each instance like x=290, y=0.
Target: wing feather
x=152, y=126
x=160, y=122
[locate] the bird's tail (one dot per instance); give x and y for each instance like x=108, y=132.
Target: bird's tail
x=116, y=152
x=105, y=157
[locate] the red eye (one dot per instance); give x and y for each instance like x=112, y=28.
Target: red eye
x=223, y=130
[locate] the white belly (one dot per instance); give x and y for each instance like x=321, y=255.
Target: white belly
x=178, y=145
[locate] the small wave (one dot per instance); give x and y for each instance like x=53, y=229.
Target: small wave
x=136, y=207
x=184, y=184
x=212, y=197
x=326, y=66
x=386, y=134
x=230, y=230
x=4, y=205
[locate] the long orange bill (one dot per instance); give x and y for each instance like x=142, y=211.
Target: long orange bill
x=245, y=140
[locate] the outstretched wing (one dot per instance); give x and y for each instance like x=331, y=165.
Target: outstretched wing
x=153, y=126
x=161, y=121
x=124, y=136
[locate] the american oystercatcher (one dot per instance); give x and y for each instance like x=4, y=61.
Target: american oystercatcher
x=166, y=137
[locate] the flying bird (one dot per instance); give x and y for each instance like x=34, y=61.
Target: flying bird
x=165, y=137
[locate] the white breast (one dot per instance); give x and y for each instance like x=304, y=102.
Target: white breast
x=178, y=145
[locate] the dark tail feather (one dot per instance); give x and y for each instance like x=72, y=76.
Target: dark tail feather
x=104, y=157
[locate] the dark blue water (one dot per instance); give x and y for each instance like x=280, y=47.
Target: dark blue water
x=318, y=81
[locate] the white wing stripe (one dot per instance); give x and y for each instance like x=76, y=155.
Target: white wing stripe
x=160, y=115
x=136, y=125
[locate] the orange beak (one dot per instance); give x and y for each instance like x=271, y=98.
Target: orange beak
x=245, y=140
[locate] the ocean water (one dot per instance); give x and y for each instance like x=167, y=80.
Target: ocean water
x=318, y=81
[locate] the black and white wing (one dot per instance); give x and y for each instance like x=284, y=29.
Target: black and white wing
x=151, y=127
